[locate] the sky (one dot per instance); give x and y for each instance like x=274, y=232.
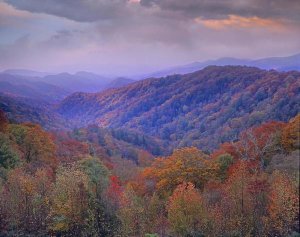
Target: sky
x=130, y=37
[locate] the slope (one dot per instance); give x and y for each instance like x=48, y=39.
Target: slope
x=202, y=109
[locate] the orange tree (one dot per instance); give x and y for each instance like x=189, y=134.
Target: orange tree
x=283, y=206
x=259, y=143
x=184, y=165
x=36, y=145
x=291, y=134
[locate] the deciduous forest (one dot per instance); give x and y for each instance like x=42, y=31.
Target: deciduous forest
x=77, y=184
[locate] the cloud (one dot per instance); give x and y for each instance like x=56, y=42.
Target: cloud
x=9, y=11
x=77, y=10
x=9, y=15
x=221, y=9
x=241, y=22
x=95, y=10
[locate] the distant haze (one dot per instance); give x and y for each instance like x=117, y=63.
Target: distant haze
x=132, y=37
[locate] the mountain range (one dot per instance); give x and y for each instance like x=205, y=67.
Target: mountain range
x=202, y=109
x=53, y=88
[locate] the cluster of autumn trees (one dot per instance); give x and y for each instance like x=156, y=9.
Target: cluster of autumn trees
x=58, y=184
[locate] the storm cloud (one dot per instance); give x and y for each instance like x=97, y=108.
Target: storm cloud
x=78, y=10
x=220, y=9
x=94, y=10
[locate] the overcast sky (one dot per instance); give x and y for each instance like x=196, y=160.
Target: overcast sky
x=126, y=37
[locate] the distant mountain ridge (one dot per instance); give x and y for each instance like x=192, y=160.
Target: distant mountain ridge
x=119, y=82
x=202, y=109
x=27, y=87
x=278, y=63
x=77, y=82
x=20, y=109
x=288, y=63
x=26, y=73
x=27, y=97
x=54, y=87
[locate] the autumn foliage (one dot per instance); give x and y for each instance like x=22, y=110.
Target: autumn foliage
x=291, y=134
x=184, y=165
x=68, y=184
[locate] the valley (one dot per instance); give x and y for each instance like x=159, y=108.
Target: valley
x=115, y=149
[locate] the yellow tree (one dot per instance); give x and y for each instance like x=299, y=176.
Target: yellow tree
x=132, y=214
x=185, y=211
x=27, y=201
x=69, y=209
x=236, y=203
x=19, y=200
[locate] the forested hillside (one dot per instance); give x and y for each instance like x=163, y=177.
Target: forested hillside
x=77, y=184
x=201, y=109
x=21, y=109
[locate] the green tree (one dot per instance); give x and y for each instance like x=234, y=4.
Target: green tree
x=9, y=158
x=102, y=217
x=224, y=162
x=96, y=171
